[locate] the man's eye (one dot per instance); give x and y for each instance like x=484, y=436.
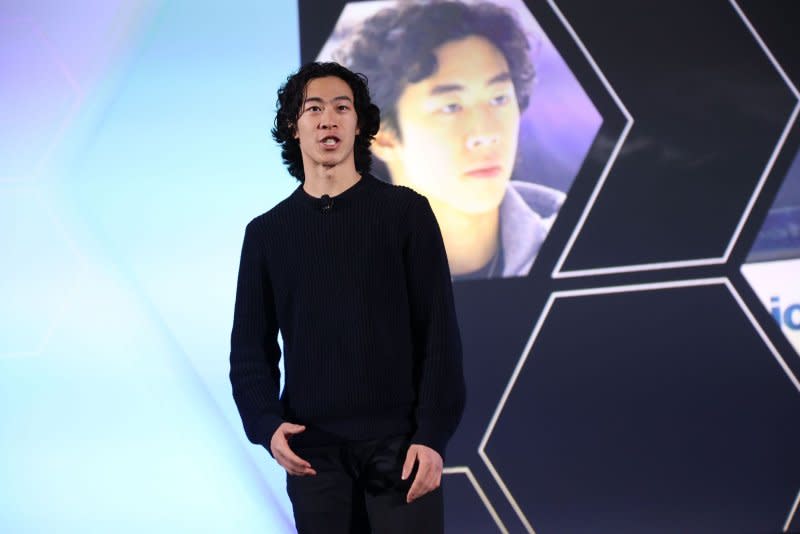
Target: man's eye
x=500, y=100
x=313, y=108
x=450, y=108
x=343, y=108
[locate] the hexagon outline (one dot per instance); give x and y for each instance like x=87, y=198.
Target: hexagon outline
x=796, y=503
x=602, y=291
x=558, y=273
x=792, y=512
x=465, y=470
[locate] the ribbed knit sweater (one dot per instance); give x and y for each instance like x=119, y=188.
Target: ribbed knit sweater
x=361, y=292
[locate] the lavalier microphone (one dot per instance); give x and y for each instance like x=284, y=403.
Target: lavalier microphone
x=327, y=203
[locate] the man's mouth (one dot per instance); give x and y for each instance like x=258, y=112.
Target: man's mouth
x=485, y=171
x=330, y=141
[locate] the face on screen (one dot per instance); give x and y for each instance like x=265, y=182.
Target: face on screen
x=459, y=128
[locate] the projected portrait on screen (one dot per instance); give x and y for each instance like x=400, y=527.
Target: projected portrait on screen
x=469, y=120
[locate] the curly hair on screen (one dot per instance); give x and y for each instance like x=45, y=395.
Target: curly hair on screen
x=290, y=101
x=395, y=47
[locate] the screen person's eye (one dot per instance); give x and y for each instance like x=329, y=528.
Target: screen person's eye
x=343, y=107
x=450, y=108
x=500, y=100
x=313, y=108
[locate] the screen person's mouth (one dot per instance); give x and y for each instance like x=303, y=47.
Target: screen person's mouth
x=488, y=171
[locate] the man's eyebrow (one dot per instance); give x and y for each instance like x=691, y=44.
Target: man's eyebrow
x=446, y=88
x=502, y=77
x=452, y=87
x=334, y=99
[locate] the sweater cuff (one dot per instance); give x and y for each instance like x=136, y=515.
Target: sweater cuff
x=428, y=434
x=266, y=428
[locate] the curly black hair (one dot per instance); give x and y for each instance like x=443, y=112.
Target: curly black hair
x=395, y=47
x=291, y=96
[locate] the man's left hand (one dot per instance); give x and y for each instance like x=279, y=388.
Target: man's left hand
x=429, y=471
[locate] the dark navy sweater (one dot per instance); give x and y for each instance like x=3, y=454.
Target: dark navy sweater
x=360, y=290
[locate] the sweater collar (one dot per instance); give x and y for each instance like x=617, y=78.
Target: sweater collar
x=335, y=202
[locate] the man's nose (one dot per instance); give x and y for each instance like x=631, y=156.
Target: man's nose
x=327, y=120
x=482, y=140
x=482, y=126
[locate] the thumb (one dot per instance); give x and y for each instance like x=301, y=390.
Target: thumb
x=291, y=428
x=411, y=455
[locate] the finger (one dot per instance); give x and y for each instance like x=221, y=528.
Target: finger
x=288, y=455
x=408, y=466
x=305, y=472
x=286, y=451
x=301, y=473
x=415, y=491
x=292, y=429
x=296, y=461
x=293, y=467
x=419, y=487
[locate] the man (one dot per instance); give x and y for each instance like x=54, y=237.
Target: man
x=353, y=273
x=452, y=79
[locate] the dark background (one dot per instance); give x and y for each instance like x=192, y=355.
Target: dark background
x=629, y=387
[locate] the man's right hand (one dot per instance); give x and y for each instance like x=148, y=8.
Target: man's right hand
x=279, y=445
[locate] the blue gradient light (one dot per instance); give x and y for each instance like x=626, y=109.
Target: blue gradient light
x=115, y=407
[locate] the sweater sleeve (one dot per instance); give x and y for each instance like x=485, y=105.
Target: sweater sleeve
x=254, y=372
x=437, y=342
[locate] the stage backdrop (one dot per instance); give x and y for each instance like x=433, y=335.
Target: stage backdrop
x=631, y=351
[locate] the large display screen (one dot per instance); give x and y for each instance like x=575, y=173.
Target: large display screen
x=480, y=114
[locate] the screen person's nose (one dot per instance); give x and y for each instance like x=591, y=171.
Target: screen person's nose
x=481, y=140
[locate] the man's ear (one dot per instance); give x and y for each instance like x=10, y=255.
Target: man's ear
x=386, y=144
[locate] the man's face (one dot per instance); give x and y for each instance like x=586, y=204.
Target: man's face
x=459, y=128
x=327, y=126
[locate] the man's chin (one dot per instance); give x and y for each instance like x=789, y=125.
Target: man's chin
x=485, y=200
x=475, y=205
x=331, y=162
x=480, y=208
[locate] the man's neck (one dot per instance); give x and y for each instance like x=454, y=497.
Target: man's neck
x=470, y=239
x=321, y=180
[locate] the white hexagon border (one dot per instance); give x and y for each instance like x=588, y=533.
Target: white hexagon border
x=557, y=270
x=464, y=470
x=602, y=291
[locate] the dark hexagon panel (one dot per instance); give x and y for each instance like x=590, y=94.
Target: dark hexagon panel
x=652, y=408
x=37, y=95
x=711, y=109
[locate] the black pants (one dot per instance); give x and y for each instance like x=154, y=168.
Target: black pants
x=357, y=489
